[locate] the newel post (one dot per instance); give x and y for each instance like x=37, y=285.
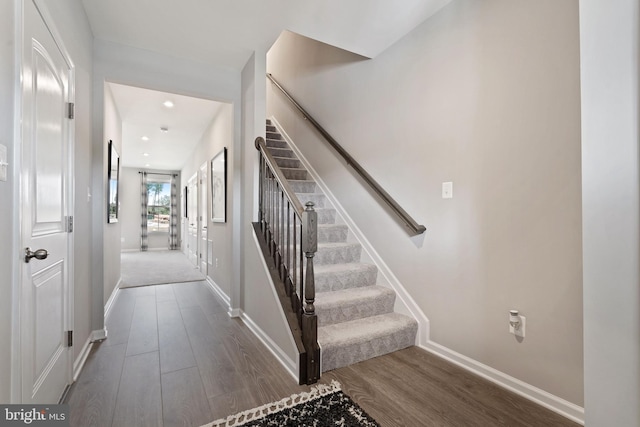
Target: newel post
x=309, y=318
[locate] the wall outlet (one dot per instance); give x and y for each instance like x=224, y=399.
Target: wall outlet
x=520, y=331
x=447, y=190
x=3, y=163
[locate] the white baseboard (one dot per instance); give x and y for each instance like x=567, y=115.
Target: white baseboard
x=234, y=312
x=536, y=395
x=112, y=298
x=290, y=365
x=98, y=335
x=405, y=304
x=218, y=291
x=78, y=364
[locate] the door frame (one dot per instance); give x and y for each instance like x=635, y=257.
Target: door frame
x=17, y=243
x=203, y=205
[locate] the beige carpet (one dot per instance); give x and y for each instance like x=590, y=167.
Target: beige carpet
x=156, y=268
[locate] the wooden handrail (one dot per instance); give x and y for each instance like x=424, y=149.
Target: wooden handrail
x=407, y=220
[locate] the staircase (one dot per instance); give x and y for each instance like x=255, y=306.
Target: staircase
x=356, y=318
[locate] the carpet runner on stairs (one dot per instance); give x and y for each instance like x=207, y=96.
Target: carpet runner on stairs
x=356, y=320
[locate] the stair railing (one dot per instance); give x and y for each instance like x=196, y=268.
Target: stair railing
x=291, y=232
x=413, y=227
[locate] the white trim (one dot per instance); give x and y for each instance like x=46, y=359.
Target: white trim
x=112, y=299
x=82, y=358
x=98, y=335
x=218, y=291
x=272, y=286
x=16, y=289
x=234, y=312
x=405, y=304
x=290, y=365
x=534, y=394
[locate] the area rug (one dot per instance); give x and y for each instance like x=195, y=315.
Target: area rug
x=156, y=268
x=323, y=405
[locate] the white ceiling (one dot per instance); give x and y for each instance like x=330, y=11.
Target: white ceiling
x=225, y=33
x=143, y=114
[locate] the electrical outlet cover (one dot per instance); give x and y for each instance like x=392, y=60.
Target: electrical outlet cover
x=521, y=330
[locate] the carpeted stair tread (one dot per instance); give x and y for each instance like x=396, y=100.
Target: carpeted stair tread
x=350, y=342
x=281, y=152
x=294, y=173
x=351, y=304
x=287, y=162
x=277, y=143
x=332, y=233
x=335, y=277
x=318, y=199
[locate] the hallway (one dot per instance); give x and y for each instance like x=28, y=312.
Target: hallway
x=174, y=357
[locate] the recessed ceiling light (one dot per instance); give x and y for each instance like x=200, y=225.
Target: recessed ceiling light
x=164, y=129
x=147, y=165
x=168, y=104
x=145, y=154
x=145, y=138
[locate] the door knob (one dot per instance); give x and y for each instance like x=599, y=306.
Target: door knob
x=38, y=254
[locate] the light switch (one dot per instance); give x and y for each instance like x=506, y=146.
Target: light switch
x=447, y=190
x=3, y=162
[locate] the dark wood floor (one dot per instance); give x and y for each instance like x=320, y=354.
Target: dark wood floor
x=175, y=358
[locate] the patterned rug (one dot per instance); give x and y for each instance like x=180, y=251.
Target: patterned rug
x=323, y=405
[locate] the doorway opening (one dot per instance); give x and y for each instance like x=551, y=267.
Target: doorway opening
x=158, y=210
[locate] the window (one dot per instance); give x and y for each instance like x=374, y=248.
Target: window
x=158, y=206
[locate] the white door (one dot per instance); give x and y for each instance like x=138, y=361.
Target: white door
x=192, y=205
x=203, y=219
x=45, y=308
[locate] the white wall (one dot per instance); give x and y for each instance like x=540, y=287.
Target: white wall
x=609, y=33
x=258, y=299
x=8, y=228
x=112, y=231
x=484, y=94
x=219, y=134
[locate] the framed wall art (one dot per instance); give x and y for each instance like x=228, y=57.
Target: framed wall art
x=219, y=187
x=113, y=175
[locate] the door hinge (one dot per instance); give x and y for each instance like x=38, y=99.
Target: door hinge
x=69, y=338
x=71, y=110
x=70, y=224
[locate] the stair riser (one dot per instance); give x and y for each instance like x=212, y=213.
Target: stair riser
x=282, y=152
x=332, y=234
x=303, y=187
x=271, y=128
x=339, y=255
x=319, y=200
x=353, y=310
x=298, y=174
x=273, y=135
x=326, y=282
x=326, y=216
